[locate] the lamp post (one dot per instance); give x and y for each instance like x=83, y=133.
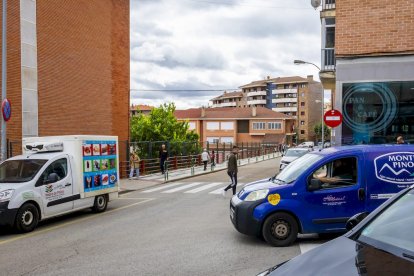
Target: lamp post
x=299, y=62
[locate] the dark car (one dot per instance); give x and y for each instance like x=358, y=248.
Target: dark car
x=381, y=244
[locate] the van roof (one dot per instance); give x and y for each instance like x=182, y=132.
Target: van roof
x=365, y=148
x=37, y=155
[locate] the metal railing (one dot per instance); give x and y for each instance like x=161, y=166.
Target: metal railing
x=328, y=4
x=328, y=59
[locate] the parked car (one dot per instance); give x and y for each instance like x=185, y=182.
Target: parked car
x=292, y=154
x=378, y=244
x=308, y=144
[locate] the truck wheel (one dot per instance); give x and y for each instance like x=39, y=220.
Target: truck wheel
x=27, y=218
x=101, y=202
x=280, y=229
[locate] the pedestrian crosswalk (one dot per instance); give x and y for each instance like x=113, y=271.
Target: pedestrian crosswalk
x=214, y=188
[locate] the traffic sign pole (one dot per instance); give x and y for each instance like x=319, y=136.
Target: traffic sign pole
x=4, y=79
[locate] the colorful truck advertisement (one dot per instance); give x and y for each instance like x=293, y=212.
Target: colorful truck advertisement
x=99, y=165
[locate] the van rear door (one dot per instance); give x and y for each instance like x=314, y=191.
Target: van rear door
x=337, y=193
x=389, y=173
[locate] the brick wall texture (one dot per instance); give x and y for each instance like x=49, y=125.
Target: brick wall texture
x=14, y=88
x=374, y=27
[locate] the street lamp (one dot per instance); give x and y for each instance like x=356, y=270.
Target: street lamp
x=299, y=62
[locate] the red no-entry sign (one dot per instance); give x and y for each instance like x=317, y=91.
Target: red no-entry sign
x=332, y=118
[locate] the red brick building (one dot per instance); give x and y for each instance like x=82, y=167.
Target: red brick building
x=238, y=124
x=68, y=67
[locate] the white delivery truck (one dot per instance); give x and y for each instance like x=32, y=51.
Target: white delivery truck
x=57, y=175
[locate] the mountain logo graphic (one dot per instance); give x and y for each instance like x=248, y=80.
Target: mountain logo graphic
x=393, y=171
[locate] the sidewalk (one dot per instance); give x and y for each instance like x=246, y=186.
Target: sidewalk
x=151, y=180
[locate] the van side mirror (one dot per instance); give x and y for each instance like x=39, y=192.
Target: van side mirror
x=355, y=219
x=315, y=184
x=52, y=178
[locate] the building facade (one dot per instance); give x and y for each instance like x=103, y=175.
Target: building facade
x=238, y=125
x=68, y=68
x=295, y=96
x=372, y=68
x=140, y=108
x=229, y=99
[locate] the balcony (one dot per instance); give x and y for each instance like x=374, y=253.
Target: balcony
x=286, y=109
x=256, y=102
x=285, y=91
x=285, y=100
x=328, y=59
x=256, y=93
x=229, y=104
x=328, y=4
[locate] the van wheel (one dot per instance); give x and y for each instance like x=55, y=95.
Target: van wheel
x=27, y=218
x=280, y=229
x=101, y=202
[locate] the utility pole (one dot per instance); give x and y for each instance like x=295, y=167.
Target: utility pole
x=4, y=79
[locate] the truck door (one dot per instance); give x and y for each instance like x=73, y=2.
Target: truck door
x=335, y=192
x=56, y=187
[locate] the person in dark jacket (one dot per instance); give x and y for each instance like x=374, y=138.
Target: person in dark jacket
x=163, y=158
x=232, y=170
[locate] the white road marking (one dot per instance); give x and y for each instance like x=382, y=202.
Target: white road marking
x=183, y=187
x=205, y=187
x=162, y=187
x=218, y=191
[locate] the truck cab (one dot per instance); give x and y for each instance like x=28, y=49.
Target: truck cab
x=321, y=190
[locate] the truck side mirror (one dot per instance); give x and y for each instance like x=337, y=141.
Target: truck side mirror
x=355, y=219
x=52, y=178
x=315, y=184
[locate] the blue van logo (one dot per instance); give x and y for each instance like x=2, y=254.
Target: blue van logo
x=396, y=167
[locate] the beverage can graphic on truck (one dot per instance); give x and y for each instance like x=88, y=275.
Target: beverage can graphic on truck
x=396, y=167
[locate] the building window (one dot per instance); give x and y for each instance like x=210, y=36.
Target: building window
x=302, y=132
x=302, y=113
x=213, y=139
x=227, y=125
x=213, y=125
x=302, y=123
x=258, y=126
x=191, y=125
x=303, y=85
x=274, y=125
x=227, y=140
x=303, y=94
x=294, y=113
x=302, y=104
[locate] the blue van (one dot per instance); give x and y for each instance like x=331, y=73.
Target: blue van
x=320, y=191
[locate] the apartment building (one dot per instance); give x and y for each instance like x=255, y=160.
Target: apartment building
x=239, y=124
x=68, y=68
x=368, y=59
x=294, y=96
x=140, y=108
x=229, y=99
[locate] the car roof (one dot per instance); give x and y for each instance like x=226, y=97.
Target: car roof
x=298, y=148
x=365, y=148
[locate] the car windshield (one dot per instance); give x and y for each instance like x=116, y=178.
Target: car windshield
x=295, y=152
x=297, y=167
x=394, y=226
x=18, y=171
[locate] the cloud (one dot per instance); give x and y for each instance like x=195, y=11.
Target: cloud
x=195, y=44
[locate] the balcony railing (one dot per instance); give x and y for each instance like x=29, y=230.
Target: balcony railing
x=328, y=59
x=255, y=102
x=256, y=93
x=228, y=104
x=285, y=100
x=285, y=109
x=285, y=91
x=328, y=4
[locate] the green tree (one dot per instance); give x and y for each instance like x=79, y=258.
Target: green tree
x=318, y=131
x=161, y=125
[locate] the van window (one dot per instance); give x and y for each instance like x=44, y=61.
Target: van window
x=60, y=167
x=338, y=173
x=18, y=171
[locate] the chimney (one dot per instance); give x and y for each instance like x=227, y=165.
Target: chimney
x=310, y=77
x=254, y=111
x=203, y=112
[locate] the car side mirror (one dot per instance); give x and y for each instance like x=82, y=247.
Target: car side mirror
x=355, y=219
x=52, y=178
x=315, y=184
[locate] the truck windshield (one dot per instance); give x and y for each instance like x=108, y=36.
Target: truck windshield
x=297, y=167
x=18, y=171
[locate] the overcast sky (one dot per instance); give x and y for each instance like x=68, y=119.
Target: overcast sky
x=217, y=45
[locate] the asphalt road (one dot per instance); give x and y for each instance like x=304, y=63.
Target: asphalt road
x=182, y=229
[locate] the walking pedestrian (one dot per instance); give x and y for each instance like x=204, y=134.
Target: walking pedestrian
x=133, y=165
x=232, y=170
x=213, y=158
x=205, y=158
x=163, y=155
